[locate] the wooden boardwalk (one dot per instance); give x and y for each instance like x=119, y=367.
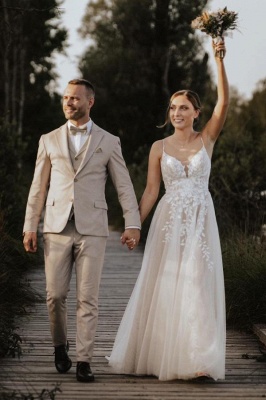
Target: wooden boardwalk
x=34, y=371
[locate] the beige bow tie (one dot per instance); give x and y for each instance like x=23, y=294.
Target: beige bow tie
x=75, y=129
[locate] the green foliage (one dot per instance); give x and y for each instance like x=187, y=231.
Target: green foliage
x=45, y=394
x=142, y=51
x=244, y=259
x=30, y=33
x=12, y=194
x=11, y=342
x=16, y=294
x=216, y=23
x=51, y=116
x=238, y=168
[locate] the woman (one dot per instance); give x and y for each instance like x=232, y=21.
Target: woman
x=174, y=324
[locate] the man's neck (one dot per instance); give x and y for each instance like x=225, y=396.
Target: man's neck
x=80, y=122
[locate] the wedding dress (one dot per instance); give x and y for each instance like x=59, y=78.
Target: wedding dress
x=174, y=323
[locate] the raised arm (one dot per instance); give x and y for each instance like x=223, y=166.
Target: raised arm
x=151, y=191
x=214, y=126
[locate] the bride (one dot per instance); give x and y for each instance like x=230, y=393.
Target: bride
x=174, y=324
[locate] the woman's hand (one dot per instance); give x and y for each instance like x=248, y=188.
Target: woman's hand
x=219, y=48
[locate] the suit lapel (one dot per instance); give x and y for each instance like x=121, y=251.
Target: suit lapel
x=96, y=136
x=62, y=141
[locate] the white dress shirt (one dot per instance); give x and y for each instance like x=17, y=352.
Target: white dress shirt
x=80, y=138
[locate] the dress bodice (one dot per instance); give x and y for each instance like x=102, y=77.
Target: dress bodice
x=187, y=195
x=189, y=178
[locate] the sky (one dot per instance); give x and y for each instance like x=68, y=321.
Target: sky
x=246, y=51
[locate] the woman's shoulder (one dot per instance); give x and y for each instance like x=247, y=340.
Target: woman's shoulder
x=157, y=146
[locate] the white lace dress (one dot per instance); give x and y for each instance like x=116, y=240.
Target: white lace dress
x=174, y=324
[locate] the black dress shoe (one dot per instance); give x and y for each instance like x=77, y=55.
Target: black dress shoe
x=84, y=373
x=62, y=361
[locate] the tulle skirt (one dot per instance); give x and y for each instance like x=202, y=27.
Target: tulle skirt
x=174, y=324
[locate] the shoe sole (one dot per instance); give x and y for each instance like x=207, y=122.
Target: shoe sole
x=85, y=379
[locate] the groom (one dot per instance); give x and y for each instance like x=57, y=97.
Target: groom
x=72, y=166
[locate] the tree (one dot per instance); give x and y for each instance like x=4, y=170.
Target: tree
x=29, y=34
x=239, y=170
x=142, y=51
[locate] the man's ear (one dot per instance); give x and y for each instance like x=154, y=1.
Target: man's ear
x=91, y=102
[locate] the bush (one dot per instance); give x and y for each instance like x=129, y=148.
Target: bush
x=16, y=294
x=244, y=259
x=45, y=394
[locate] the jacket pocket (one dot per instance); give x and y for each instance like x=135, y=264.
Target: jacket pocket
x=101, y=204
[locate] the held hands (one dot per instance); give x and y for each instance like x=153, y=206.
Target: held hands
x=130, y=237
x=30, y=242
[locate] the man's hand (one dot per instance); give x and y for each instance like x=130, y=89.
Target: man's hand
x=30, y=242
x=131, y=238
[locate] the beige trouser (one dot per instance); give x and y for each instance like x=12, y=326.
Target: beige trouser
x=61, y=252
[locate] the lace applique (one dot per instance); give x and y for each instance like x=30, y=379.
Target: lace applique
x=188, y=199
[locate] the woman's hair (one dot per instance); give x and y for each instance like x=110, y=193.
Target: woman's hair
x=190, y=95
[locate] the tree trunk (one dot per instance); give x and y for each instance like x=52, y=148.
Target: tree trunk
x=6, y=52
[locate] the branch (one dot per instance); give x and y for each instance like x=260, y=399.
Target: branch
x=22, y=10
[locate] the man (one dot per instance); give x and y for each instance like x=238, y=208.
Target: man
x=72, y=166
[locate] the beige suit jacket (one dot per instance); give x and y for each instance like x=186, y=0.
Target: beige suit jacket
x=57, y=187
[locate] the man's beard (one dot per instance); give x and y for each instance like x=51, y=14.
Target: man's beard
x=75, y=115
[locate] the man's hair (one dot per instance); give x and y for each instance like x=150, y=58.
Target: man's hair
x=89, y=86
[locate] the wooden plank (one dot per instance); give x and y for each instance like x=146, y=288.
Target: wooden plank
x=245, y=378
x=260, y=331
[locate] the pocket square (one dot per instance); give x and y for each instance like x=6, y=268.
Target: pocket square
x=99, y=150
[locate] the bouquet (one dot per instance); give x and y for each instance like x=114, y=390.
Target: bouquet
x=215, y=24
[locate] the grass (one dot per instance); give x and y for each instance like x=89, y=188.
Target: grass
x=244, y=259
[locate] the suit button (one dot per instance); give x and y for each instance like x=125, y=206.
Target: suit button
x=75, y=180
